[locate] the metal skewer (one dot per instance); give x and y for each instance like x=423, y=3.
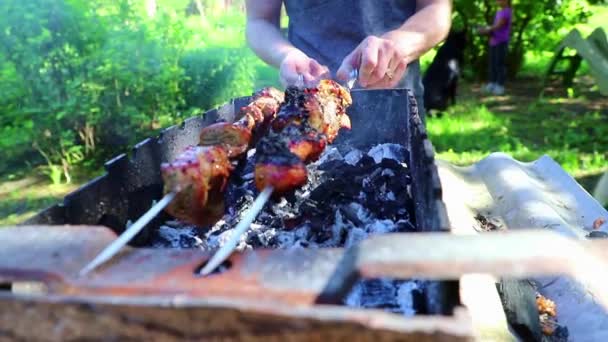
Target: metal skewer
x=128, y=234
x=226, y=250
x=354, y=75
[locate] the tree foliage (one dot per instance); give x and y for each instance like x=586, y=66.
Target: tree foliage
x=81, y=80
x=537, y=25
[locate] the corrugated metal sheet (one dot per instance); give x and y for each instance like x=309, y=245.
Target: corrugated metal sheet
x=539, y=195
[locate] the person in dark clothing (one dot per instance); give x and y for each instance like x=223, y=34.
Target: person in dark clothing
x=328, y=38
x=499, y=33
x=441, y=78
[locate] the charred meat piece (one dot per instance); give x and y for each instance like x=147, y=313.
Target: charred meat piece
x=198, y=177
x=308, y=120
x=268, y=100
x=234, y=138
x=304, y=142
x=327, y=112
x=322, y=108
x=238, y=136
x=277, y=166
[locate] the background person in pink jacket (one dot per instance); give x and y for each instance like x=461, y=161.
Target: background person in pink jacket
x=499, y=33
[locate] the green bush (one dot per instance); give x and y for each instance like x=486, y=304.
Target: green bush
x=537, y=25
x=215, y=75
x=83, y=80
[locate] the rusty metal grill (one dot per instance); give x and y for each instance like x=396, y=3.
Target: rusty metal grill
x=302, y=282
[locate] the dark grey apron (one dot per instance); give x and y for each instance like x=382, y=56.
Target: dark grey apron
x=328, y=30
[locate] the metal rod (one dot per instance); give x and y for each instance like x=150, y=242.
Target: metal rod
x=128, y=234
x=226, y=250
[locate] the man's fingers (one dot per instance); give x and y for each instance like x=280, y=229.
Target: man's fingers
x=317, y=70
x=347, y=66
x=398, y=74
x=369, y=61
x=289, y=76
x=387, y=82
x=381, y=68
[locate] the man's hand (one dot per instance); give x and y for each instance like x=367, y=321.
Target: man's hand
x=382, y=64
x=297, y=63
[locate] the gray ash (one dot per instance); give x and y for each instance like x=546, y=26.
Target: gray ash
x=349, y=195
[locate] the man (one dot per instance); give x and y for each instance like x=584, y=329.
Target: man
x=384, y=38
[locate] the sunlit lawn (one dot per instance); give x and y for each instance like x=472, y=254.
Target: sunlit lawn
x=572, y=131
x=21, y=199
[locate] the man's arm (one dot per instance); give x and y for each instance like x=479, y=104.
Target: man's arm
x=426, y=28
x=263, y=31
x=384, y=59
x=265, y=39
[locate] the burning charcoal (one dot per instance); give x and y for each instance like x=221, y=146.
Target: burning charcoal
x=169, y=237
x=406, y=297
x=405, y=226
x=354, y=236
x=332, y=190
x=388, y=151
x=254, y=240
x=350, y=214
x=331, y=165
x=388, y=172
x=381, y=227
x=302, y=233
x=284, y=239
x=597, y=234
x=349, y=195
x=366, y=162
x=391, y=164
x=188, y=241
x=353, y=157
x=267, y=237
x=329, y=154
x=373, y=293
x=303, y=244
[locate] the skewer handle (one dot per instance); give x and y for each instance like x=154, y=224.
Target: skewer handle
x=226, y=250
x=128, y=234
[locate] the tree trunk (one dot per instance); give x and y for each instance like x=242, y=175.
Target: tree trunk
x=201, y=11
x=487, y=13
x=517, y=54
x=151, y=7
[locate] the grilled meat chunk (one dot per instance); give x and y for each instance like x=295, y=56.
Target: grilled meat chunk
x=308, y=120
x=198, y=177
x=304, y=142
x=277, y=166
x=322, y=108
x=234, y=138
x=238, y=136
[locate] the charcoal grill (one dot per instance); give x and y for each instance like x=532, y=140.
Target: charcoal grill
x=131, y=184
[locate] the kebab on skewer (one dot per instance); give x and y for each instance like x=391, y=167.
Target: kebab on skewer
x=194, y=181
x=308, y=121
x=199, y=174
x=236, y=137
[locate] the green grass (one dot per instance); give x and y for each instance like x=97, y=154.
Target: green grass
x=21, y=200
x=525, y=128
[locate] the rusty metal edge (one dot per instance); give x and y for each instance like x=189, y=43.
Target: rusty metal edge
x=457, y=327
